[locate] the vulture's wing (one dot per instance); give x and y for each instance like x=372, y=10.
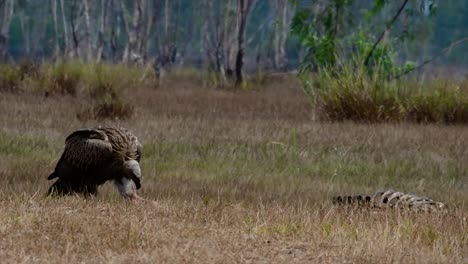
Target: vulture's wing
x=139, y=150
x=87, y=148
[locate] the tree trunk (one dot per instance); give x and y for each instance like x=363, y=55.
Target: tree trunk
x=114, y=30
x=135, y=37
x=66, y=38
x=167, y=19
x=56, y=51
x=219, y=41
x=102, y=23
x=166, y=39
x=245, y=6
x=75, y=51
x=388, y=26
x=151, y=23
x=87, y=32
x=39, y=31
x=133, y=31
x=166, y=49
x=230, y=29
x=283, y=13
x=276, y=34
x=5, y=28
x=26, y=34
x=206, y=47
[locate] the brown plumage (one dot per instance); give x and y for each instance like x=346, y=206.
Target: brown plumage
x=93, y=156
x=390, y=199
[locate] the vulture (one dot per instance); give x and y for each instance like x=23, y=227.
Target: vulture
x=94, y=156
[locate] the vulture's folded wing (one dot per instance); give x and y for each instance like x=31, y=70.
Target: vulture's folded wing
x=87, y=148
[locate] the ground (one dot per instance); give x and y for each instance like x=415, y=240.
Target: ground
x=232, y=177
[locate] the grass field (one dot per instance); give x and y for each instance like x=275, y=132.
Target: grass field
x=232, y=177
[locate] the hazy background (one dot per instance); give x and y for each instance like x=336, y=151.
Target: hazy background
x=202, y=33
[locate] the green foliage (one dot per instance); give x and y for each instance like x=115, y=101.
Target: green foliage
x=318, y=32
x=327, y=32
x=382, y=61
x=357, y=69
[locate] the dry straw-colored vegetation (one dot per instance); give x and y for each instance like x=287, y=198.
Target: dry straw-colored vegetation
x=231, y=177
x=354, y=94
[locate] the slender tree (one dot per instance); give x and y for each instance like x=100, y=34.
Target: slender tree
x=75, y=11
x=66, y=38
x=87, y=31
x=8, y=7
x=56, y=51
x=152, y=11
x=245, y=6
x=102, y=24
x=284, y=12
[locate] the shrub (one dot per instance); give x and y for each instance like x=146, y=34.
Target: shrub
x=64, y=78
x=353, y=94
x=104, y=84
x=9, y=77
x=112, y=109
x=29, y=69
x=439, y=101
x=107, y=108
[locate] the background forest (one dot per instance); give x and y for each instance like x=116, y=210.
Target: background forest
x=206, y=33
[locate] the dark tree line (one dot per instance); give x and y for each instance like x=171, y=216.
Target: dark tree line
x=209, y=33
x=224, y=35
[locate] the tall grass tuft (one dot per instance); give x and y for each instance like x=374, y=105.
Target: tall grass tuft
x=112, y=108
x=64, y=78
x=439, y=101
x=104, y=84
x=353, y=94
x=10, y=77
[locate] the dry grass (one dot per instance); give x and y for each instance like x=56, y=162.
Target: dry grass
x=354, y=95
x=232, y=177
